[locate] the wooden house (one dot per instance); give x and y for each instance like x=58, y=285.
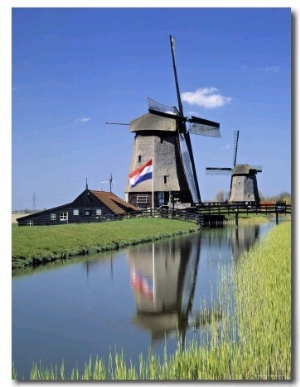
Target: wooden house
x=89, y=206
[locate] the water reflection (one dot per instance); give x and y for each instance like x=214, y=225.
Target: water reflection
x=164, y=276
x=242, y=239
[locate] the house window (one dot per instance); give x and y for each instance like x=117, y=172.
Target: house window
x=98, y=211
x=139, y=158
x=87, y=212
x=53, y=216
x=30, y=223
x=63, y=216
x=142, y=199
x=165, y=179
x=75, y=212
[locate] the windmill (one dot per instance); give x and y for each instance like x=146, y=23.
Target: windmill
x=163, y=136
x=243, y=184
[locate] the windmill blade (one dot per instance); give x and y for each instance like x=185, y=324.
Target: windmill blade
x=236, y=140
x=173, y=42
x=258, y=168
x=155, y=107
x=217, y=170
x=189, y=166
x=204, y=127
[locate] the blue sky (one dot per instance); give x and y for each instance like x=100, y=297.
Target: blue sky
x=75, y=69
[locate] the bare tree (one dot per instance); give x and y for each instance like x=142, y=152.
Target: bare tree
x=220, y=196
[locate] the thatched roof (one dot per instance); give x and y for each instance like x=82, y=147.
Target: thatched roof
x=114, y=203
x=150, y=121
x=245, y=169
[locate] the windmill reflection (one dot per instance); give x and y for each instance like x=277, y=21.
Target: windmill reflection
x=163, y=278
x=242, y=238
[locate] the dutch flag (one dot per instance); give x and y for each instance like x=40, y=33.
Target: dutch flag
x=142, y=173
x=142, y=284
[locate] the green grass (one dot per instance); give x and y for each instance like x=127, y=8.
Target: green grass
x=42, y=244
x=262, y=288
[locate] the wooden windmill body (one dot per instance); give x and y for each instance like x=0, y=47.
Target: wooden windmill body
x=161, y=136
x=243, y=183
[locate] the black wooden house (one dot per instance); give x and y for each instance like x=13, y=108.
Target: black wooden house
x=89, y=206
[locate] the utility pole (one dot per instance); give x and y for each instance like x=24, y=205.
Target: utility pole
x=110, y=182
x=33, y=202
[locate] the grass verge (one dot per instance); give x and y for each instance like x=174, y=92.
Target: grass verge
x=32, y=246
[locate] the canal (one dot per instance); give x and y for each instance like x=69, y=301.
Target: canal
x=147, y=296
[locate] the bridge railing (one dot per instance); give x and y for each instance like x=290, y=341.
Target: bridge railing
x=195, y=214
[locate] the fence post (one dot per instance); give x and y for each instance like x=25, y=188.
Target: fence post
x=236, y=218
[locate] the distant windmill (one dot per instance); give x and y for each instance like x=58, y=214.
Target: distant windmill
x=110, y=181
x=243, y=185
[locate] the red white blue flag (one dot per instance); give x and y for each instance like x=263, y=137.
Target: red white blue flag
x=142, y=284
x=142, y=173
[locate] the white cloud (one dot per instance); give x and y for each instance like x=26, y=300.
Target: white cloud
x=207, y=97
x=85, y=119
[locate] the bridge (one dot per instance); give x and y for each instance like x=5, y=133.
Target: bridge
x=213, y=214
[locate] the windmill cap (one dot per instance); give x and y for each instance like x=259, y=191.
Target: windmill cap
x=245, y=169
x=150, y=121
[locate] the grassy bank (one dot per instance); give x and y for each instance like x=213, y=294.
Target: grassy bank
x=36, y=245
x=261, y=327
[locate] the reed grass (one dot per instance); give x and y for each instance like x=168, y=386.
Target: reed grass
x=253, y=343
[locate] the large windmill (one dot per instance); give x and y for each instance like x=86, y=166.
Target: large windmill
x=163, y=146
x=243, y=184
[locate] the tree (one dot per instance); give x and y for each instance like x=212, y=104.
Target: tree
x=220, y=196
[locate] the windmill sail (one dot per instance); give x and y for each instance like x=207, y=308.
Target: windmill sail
x=236, y=140
x=155, y=107
x=196, y=125
x=204, y=128
x=188, y=164
x=218, y=170
x=185, y=142
x=224, y=170
x=173, y=42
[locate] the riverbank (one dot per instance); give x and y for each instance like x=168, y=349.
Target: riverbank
x=32, y=246
x=254, y=344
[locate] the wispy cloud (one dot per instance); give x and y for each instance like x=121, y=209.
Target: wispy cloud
x=207, y=97
x=84, y=119
x=273, y=69
x=14, y=88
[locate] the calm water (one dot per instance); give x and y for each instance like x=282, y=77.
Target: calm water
x=132, y=299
